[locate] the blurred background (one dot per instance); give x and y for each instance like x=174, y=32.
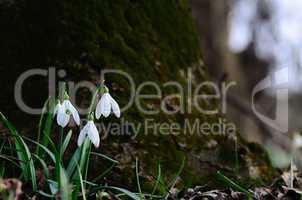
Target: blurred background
x=246, y=41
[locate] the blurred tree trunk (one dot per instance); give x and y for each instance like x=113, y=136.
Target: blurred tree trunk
x=223, y=65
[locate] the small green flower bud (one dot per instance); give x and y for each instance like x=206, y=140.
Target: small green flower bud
x=66, y=96
x=91, y=116
x=103, y=89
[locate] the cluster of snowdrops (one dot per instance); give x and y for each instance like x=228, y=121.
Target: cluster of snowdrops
x=43, y=165
x=62, y=178
x=64, y=109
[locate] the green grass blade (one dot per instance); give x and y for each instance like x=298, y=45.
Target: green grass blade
x=73, y=162
x=2, y=170
x=53, y=186
x=137, y=179
x=65, y=189
x=104, y=156
x=66, y=142
x=43, y=164
x=52, y=145
x=114, y=162
x=51, y=155
x=122, y=190
x=174, y=181
x=44, y=110
x=233, y=185
x=86, y=166
x=126, y=192
x=2, y=146
x=57, y=170
x=82, y=184
x=47, y=126
x=146, y=195
x=44, y=194
x=84, y=159
x=24, y=154
x=157, y=179
x=104, y=173
x=80, y=156
x=10, y=159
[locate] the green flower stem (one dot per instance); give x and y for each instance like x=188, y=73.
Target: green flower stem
x=62, y=92
x=90, y=112
x=61, y=130
x=93, y=101
x=61, y=140
x=87, y=162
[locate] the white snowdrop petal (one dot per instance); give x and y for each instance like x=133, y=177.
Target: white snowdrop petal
x=115, y=107
x=105, y=106
x=62, y=117
x=93, y=134
x=59, y=115
x=82, y=135
x=98, y=110
x=73, y=111
x=66, y=119
x=76, y=117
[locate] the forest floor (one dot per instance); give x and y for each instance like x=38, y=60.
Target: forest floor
x=280, y=189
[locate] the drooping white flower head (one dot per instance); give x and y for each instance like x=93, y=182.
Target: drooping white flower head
x=63, y=112
x=106, y=105
x=91, y=132
x=62, y=116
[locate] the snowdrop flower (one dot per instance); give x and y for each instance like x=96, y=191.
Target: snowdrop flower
x=106, y=104
x=91, y=132
x=63, y=112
